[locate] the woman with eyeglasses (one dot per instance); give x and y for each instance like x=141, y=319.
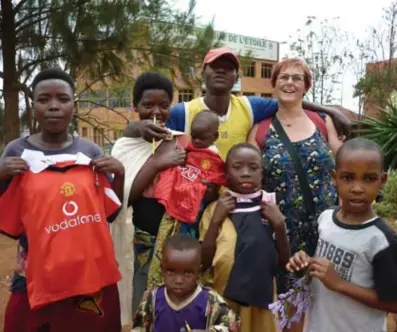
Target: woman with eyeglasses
x=298, y=148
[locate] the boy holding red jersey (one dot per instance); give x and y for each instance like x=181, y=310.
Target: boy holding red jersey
x=56, y=199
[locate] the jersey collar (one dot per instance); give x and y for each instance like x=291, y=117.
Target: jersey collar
x=38, y=161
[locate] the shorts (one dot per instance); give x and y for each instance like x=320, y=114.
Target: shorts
x=99, y=313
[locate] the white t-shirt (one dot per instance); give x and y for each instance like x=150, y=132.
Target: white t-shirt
x=365, y=255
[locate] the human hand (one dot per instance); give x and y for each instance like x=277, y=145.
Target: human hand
x=225, y=204
x=108, y=164
x=298, y=262
x=212, y=193
x=150, y=131
x=272, y=213
x=167, y=156
x=12, y=166
x=323, y=269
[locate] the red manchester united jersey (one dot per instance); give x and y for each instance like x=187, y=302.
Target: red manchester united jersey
x=180, y=189
x=62, y=207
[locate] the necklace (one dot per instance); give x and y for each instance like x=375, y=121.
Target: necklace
x=284, y=124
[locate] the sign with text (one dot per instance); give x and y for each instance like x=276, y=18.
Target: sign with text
x=257, y=48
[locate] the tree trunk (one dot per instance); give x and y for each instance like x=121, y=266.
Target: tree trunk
x=10, y=90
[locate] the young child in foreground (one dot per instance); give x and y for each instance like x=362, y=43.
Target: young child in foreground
x=244, y=239
x=181, y=304
x=354, y=269
x=182, y=189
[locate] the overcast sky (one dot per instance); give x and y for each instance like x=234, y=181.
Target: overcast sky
x=277, y=20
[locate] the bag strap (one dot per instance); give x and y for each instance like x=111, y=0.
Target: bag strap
x=300, y=172
x=261, y=132
x=319, y=122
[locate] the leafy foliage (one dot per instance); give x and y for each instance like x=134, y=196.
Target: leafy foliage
x=383, y=131
x=101, y=40
x=321, y=45
x=388, y=207
x=379, y=80
x=378, y=84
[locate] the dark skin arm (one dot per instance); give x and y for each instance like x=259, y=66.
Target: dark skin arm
x=143, y=180
x=166, y=156
x=341, y=122
x=111, y=165
x=272, y=213
x=366, y=296
x=118, y=185
x=209, y=244
x=145, y=129
x=132, y=129
x=224, y=205
x=282, y=245
x=324, y=270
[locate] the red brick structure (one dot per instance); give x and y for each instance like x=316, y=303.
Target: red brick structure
x=383, y=79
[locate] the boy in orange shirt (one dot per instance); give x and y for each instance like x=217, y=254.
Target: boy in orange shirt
x=57, y=200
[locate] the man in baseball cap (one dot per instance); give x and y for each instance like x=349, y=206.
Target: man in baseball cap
x=217, y=53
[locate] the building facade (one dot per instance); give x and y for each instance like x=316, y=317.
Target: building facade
x=380, y=87
x=105, y=110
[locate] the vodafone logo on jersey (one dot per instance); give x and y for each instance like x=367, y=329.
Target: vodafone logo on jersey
x=70, y=210
x=72, y=218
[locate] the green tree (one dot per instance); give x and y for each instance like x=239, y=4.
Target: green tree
x=379, y=80
x=378, y=86
x=102, y=39
x=357, y=60
x=383, y=131
x=321, y=45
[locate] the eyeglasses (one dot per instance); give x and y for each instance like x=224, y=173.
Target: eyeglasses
x=296, y=78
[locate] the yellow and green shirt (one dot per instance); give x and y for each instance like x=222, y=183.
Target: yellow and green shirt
x=242, y=114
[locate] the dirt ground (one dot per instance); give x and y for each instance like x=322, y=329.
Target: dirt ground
x=7, y=262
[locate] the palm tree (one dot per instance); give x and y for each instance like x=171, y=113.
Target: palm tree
x=384, y=132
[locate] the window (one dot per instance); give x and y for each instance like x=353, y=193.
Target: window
x=84, y=97
x=266, y=70
x=84, y=132
x=98, y=136
x=249, y=69
x=266, y=95
x=117, y=134
x=119, y=98
x=185, y=95
x=98, y=98
x=249, y=93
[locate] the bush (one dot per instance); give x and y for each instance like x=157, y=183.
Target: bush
x=388, y=207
